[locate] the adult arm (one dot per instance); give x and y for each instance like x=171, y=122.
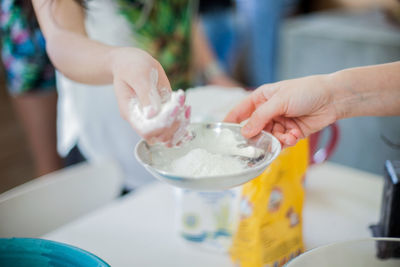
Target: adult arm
x=294, y=109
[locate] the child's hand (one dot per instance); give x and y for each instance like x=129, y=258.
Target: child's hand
x=141, y=87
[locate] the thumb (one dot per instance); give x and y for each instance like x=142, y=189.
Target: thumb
x=261, y=117
x=164, y=87
x=150, y=99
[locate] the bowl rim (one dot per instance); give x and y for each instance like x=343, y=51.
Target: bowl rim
x=172, y=176
x=38, y=241
x=338, y=243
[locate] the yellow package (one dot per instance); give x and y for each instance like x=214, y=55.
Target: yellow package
x=270, y=229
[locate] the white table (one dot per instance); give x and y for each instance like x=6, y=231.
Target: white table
x=139, y=229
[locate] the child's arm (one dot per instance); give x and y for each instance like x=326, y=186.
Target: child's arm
x=132, y=71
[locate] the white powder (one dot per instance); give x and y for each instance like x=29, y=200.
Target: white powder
x=201, y=163
x=208, y=154
x=227, y=144
x=165, y=108
x=164, y=117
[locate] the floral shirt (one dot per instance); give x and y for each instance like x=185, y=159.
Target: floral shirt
x=163, y=28
x=23, y=52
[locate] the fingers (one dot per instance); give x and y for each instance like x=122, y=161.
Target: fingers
x=261, y=117
x=241, y=111
x=244, y=109
x=265, y=109
x=163, y=86
x=124, y=94
x=163, y=135
x=169, y=127
x=289, y=125
x=147, y=93
x=174, y=134
x=285, y=137
x=165, y=94
x=152, y=90
x=286, y=131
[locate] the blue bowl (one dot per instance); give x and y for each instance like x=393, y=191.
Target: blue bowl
x=32, y=252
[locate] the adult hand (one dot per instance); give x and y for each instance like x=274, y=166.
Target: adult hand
x=290, y=110
x=139, y=76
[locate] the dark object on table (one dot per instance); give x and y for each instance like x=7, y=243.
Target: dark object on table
x=214, y=5
x=389, y=224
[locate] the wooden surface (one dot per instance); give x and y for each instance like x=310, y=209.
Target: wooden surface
x=16, y=166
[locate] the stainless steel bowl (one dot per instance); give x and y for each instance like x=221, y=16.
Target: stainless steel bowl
x=269, y=146
x=369, y=252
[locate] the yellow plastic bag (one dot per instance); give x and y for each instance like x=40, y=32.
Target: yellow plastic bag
x=270, y=229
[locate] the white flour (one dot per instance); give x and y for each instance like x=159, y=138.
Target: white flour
x=199, y=163
x=164, y=117
x=165, y=108
x=209, y=154
x=227, y=144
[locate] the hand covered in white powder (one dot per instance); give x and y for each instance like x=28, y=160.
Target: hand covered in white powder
x=140, y=81
x=169, y=125
x=132, y=68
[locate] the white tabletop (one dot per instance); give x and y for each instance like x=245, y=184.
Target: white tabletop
x=139, y=229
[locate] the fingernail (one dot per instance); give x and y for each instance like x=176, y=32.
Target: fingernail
x=182, y=100
x=165, y=94
x=188, y=112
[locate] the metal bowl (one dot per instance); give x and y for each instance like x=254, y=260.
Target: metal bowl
x=267, y=145
x=369, y=252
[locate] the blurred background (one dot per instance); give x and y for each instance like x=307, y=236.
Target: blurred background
x=265, y=41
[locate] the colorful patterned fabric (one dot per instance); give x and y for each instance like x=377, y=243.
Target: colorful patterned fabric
x=23, y=52
x=163, y=28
